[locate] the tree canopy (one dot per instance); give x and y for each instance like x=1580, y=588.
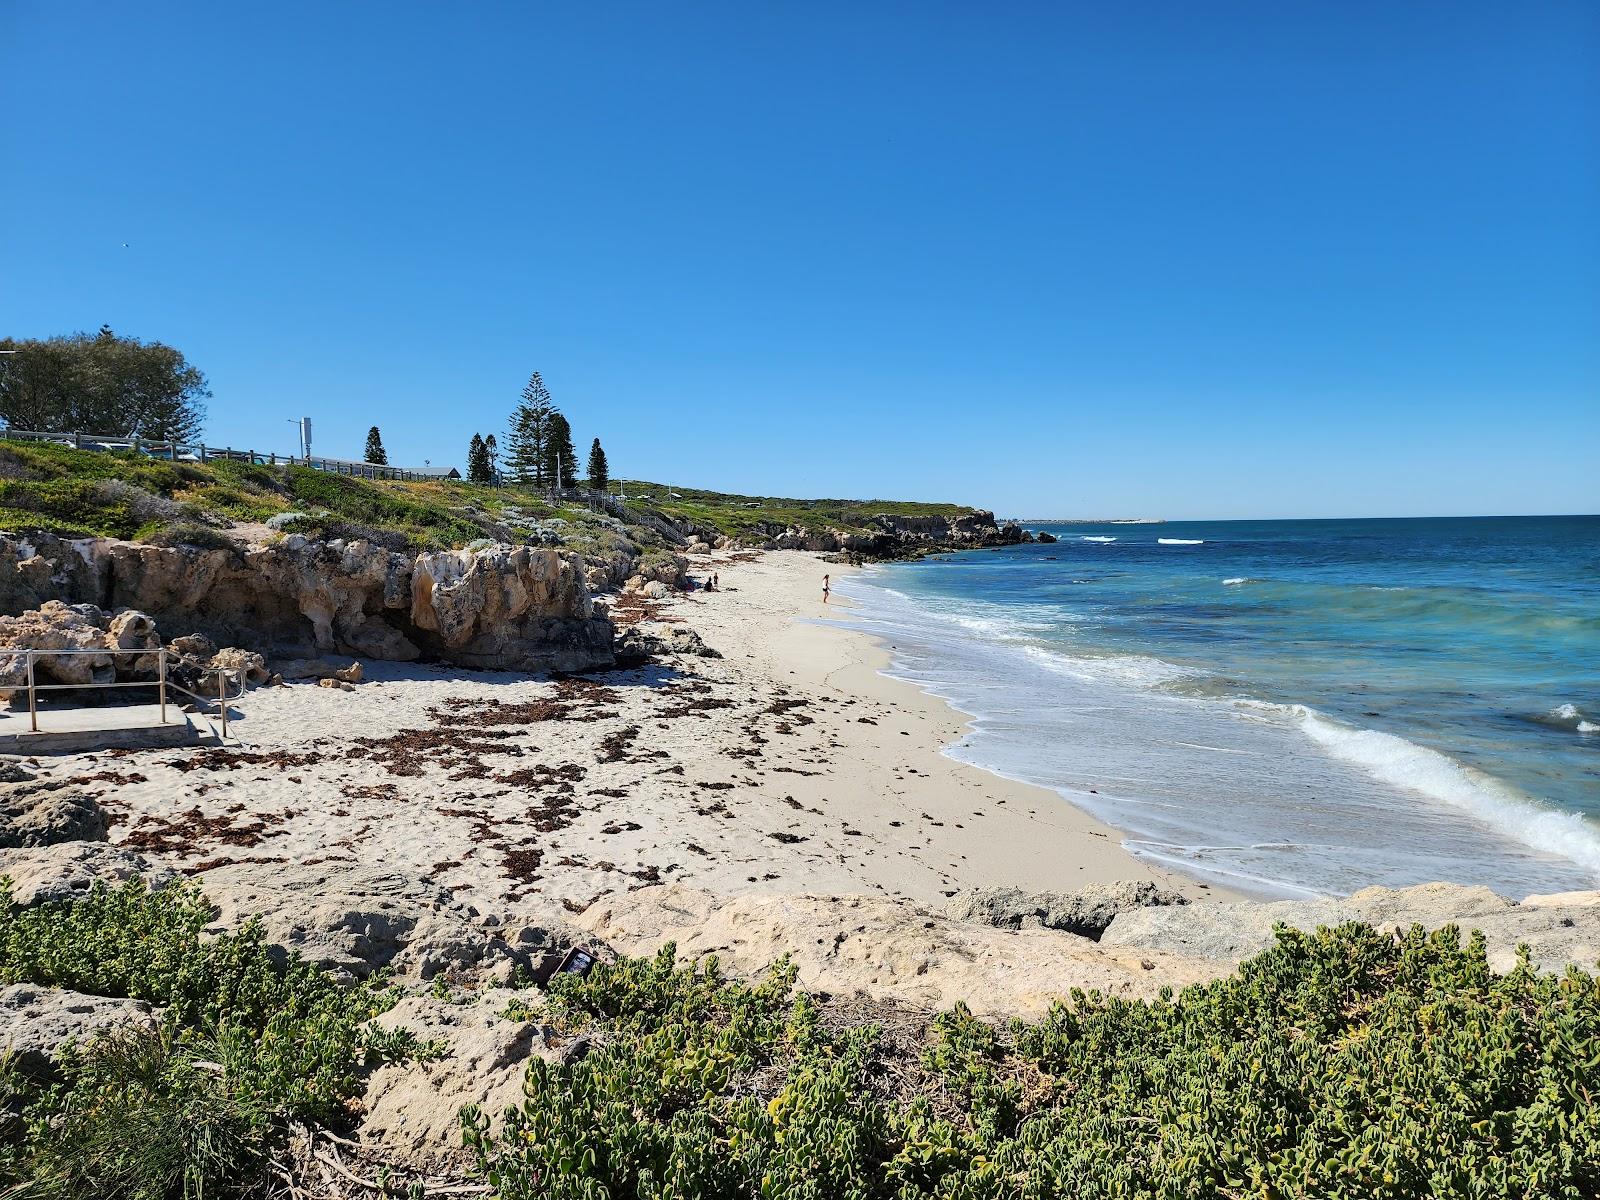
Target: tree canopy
x=599, y=470
x=479, y=469
x=529, y=459
x=101, y=383
x=375, y=452
x=561, y=460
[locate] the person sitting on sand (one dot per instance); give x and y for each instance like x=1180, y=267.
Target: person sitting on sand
x=824, y=589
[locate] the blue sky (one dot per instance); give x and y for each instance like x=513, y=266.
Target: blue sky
x=1182, y=260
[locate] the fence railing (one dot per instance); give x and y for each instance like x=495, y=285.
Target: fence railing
x=200, y=452
x=163, y=683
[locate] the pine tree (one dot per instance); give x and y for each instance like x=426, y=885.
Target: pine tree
x=375, y=452
x=529, y=460
x=478, y=461
x=491, y=454
x=562, y=459
x=599, y=472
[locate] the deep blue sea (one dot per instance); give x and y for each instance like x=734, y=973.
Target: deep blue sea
x=1289, y=707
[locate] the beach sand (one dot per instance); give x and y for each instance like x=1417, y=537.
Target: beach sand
x=789, y=766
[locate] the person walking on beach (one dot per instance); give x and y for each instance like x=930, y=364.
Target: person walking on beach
x=824, y=589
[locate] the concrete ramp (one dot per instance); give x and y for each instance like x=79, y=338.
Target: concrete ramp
x=76, y=730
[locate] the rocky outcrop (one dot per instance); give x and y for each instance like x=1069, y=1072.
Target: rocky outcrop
x=655, y=639
x=413, y=1110
x=885, y=948
x=492, y=606
x=45, y=813
x=69, y=870
x=1558, y=929
x=1085, y=912
x=508, y=608
x=355, y=919
x=895, y=536
x=37, y=1023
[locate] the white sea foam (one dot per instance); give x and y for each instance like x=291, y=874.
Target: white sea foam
x=1588, y=727
x=1565, y=712
x=1182, y=541
x=1419, y=769
x=1097, y=539
x=1235, y=581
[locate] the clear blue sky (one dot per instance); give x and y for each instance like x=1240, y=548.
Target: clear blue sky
x=1186, y=260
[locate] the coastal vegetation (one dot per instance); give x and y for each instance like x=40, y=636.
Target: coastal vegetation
x=1343, y=1063
x=89, y=493
x=248, y=1039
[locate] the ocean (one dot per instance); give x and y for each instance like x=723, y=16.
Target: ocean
x=1287, y=707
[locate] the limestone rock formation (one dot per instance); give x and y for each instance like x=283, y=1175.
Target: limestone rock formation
x=885, y=948
x=37, y=1022
x=656, y=639
x=413, y=1110
x=355, y=919
x=493, y=606
x=69, y=870
x=45, y=813
x=1085, y=912
x=509, y=608
x=1567, y=930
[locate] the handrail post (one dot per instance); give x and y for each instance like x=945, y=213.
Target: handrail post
x=33, y=698
x=222, y=698
x=162, y=658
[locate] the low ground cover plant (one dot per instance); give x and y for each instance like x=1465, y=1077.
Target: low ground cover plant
x=1343, y=1063
x=248, y=1040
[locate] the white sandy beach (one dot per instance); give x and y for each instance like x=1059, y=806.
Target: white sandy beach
x=788, y=766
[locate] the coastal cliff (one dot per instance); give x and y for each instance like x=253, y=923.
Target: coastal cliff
x=508, y=607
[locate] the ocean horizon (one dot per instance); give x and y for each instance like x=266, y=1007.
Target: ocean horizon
x=1291, y=707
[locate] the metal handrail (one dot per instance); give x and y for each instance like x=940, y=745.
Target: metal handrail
x=161, y=682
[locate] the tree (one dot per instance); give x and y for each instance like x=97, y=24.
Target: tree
x=599, y=472
x=491, y=450
x=561, y=459
x=478, y=469
x=101, y=383
x=529, y=460
x=375, y=452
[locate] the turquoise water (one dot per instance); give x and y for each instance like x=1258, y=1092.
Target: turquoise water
x=1289, y=706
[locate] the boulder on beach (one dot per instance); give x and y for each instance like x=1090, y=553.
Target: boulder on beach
x=45, y=813
x=1085, y=912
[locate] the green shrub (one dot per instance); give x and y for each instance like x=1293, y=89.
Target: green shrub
x=1345, y=1063
x=184, y=533
x=251, y=1039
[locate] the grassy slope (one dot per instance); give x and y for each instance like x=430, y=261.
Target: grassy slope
x=79, y=493
x=735, y=514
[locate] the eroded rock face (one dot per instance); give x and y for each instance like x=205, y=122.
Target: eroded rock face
x=494, y=606
x=38, y=1022
x=1085, y=912
x=509, y=608
x=1559, y=929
